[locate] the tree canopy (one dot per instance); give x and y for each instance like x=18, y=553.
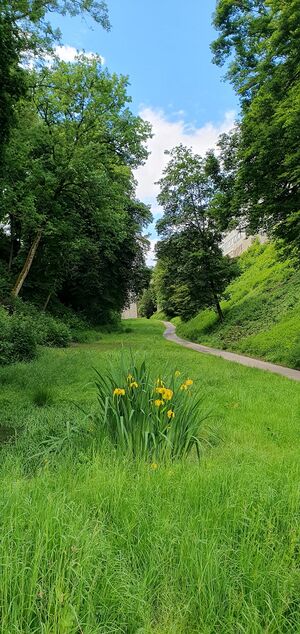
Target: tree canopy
x=194, y=272
x=73, y=224
x=260, y=41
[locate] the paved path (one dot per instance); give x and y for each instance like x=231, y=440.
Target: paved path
x=170, y=334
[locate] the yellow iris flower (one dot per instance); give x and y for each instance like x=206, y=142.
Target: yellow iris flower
x=119, y=391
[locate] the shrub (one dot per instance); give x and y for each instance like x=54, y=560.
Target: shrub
x=17, y=338
x=52, y=333
x=149, y=419
x=22, y=336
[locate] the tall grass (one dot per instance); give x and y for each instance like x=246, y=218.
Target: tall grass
x=111, y=546
x=150, y=417
x=93, y=541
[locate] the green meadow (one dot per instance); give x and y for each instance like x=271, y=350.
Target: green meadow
x=93, y=542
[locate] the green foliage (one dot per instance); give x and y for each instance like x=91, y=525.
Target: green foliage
x=67, y=186
x=261, y=41
x=147, y=303
x=159, y=316
x=262, y=312
x=12, y=78
x=51, y=332
x=193, y=272
x=72, y=162
x=149, y=419
x=27, y=327
x=17, y=338
x=25, y=32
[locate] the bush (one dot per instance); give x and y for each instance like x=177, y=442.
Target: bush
x=17, y=338
x=21, y=332
x=52, y=333
x=23, y=338
x=146, y=419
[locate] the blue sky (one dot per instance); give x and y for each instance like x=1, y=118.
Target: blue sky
x=164, y=47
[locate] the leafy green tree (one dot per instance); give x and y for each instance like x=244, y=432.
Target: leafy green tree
x=27, y=33
x=147, y=304
x=260, y=40
x=12, y=79
x=197, y=270
x=68, y=189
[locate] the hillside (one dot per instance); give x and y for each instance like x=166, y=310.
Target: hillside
x=262, y=311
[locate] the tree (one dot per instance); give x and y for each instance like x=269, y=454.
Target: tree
x=261, y=40
x=68, y=188
x=147, y=304
x=198, y=272
x=25, y=32
x=12, y=79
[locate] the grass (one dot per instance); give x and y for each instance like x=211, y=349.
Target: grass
x=262, y=314
x=95, y=543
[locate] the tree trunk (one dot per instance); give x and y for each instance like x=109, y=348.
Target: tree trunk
x=12, y=240
x=218, y=308
x=47, y=302
x=27, y=265
x=217, y=303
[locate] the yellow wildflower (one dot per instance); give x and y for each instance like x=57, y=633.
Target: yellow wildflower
x=183, y=387
x=134, y=384
x=167, y=394
x=119, y=391
x=189, y=382
x=177, y=374
x=158, y=402
x=154, y=466
x=130, y=377
x=170, y=413
x=160, y=390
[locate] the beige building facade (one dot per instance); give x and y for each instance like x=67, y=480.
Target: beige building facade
x=236, y=242
x=131, y=312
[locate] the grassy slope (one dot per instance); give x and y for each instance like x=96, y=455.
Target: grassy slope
x=94, y=544
x=262, y=316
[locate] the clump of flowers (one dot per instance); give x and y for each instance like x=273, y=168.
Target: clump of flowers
x=149, y=417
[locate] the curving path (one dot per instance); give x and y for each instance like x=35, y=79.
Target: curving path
x=170, y=334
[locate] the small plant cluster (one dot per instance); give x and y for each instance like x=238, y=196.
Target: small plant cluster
x=148, y=418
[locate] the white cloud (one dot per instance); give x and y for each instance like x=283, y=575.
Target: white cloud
x=68, y=53
x=64, y=52
x=168, y=134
